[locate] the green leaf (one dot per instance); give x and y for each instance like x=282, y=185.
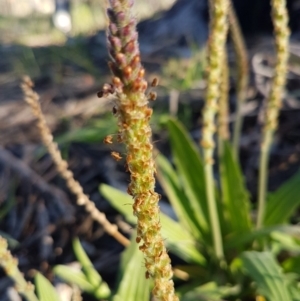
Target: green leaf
x=234, y=194
x=179, y=241
x=133, y=284
x=168, y=178
x=240, y=240
x=87, y=266
x=292, y=265
x=45, y=290
x=87, y=135
x=190, y=167
x=72, y=275
x=208, y=292
x=93, y=277
x=93, y=132
x=266, y=272
x=282, y=203
x=294, y=292
x=282, y=242
x=293, y=286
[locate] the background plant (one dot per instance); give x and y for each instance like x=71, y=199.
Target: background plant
x=206, y=277
x=190, y=198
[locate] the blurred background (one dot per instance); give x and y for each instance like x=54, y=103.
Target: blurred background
x=62, y=45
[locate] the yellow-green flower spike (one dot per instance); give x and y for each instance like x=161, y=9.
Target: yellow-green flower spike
x=282, y=33
x=129, y=86
x=216, y=48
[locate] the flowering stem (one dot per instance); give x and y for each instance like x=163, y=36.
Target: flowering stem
x=10, y=266
x=217, y=39
x=263, y=177
x=281, y=31
x=129, y=86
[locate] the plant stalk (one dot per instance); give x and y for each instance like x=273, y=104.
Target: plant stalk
x=263, y=178
x=242, y=75
x=10, y=266
x=281, y=32
x=216, y=47
x=32, y=98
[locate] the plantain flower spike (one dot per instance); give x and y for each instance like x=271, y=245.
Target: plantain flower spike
x=129, y=87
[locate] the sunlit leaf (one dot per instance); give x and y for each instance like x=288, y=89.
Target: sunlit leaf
x=240, y=240
x=133, y=284
x=234, y=194
x=169, y=180
x=72, y=275
x=101, y=289
x=282, y=203
x=267, y=274
x=45, y=290
x=190, y=167
x=207, y=292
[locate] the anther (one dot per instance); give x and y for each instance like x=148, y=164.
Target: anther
x=116, y=156
x=152, y=96
x=154, y=82
x=108, y=139
x=127, y=71
x=117, y=82
x=141, y=73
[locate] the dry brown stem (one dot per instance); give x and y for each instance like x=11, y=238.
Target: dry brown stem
x=32, y=99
